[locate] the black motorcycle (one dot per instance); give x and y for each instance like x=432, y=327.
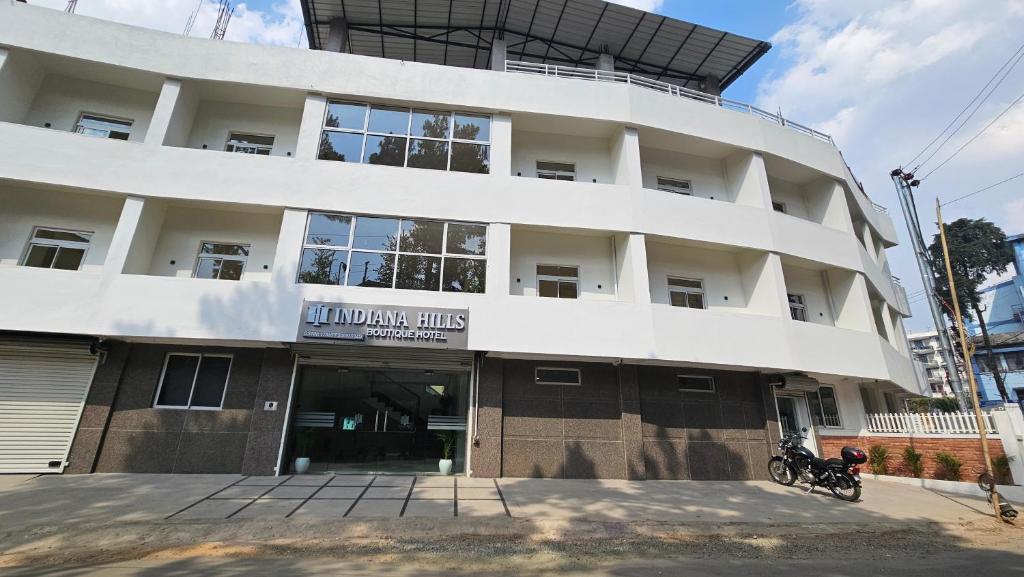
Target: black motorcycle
x=841, y=476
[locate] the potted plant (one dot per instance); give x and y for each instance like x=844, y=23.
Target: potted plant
x=447, y=438
x=302, y=442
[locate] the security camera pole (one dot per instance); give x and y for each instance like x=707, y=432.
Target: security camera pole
x=904, y=182
x=967, y=350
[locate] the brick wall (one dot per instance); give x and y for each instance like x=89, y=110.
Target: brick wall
x=967, y=450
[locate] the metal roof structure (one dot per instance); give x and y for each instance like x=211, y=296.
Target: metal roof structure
x=563, y=32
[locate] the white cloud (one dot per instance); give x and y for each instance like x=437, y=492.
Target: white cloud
x=645, y=5
x=884, y=77
x=280, y=25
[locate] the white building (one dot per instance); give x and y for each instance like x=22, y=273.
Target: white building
x=926, y=350
x=579, y=273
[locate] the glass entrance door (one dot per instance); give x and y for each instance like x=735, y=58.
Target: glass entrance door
x=794, y=416
x=377, y=421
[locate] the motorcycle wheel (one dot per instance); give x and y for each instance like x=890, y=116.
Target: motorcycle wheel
x=780, y=472
x=845, y=488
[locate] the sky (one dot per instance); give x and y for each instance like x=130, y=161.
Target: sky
x=883, y=77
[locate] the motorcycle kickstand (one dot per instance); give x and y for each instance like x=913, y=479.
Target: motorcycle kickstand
x=810, y=488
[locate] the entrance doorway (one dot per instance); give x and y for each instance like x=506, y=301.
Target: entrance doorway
x=377, y=421
x=795, y=417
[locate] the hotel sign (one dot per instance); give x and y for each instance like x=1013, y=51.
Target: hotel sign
x=384, y=325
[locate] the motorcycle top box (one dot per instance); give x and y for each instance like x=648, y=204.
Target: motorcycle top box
x=854, y=455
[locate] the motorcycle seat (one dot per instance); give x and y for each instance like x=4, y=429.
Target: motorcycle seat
x=839, y=463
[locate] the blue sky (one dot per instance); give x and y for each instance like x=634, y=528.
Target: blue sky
x=881, y=76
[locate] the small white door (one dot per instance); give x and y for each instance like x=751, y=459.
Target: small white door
x=794, y=417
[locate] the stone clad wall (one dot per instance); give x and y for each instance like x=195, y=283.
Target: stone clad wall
x=967, y=450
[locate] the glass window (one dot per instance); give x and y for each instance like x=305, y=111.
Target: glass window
x=104, y=127
x=467, y=239
x=824, y=407
x=797, y=308
x=470, y=158
x=386, y=150
x=379, y=135
x=464, y=275
x=56, y=248
x=221, y=261
x=430, y=124
x=193, y=381
x=341, y=146
x=674, y=185
x=779, y=207
x=696, y=383
x=472, y=127
x=250, y=143
x=554, y=376
x=432, y=154
x=388, y=120
x=323, y=266
x=556, y=281
x=418, y=272
x=686, y=292
x=373, y=269
x=426, y=236
x=1014, y=360
x=328, y=229
x=376, y=233
x=346, y=115
x=556, y=170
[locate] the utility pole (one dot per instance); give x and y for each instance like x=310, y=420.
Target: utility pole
x=967, y=350
x=904, y=182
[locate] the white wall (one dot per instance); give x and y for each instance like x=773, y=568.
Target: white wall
x=20, y=76
x=592, y=156
x=25, y=209
x=807, y=282
x=184, y=228
x=706, y=175
x=61, y=100
x=214, y=120
x=790, y=194
x=719, y=269
x=592, y=254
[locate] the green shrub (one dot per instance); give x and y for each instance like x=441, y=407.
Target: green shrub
x=949, y=467
x=933, y=404
x=914, y=462
x=1001, y=464
x=878, y=457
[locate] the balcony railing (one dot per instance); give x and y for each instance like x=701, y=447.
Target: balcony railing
x=659, y=86
x=928, y=424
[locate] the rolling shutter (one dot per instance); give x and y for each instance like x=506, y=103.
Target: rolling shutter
x=43, y=386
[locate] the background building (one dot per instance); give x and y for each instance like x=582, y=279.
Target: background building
x=925, y=348
x=219, y=257
x=1003, y=308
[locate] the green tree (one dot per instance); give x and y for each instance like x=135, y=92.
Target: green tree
x=977, y=249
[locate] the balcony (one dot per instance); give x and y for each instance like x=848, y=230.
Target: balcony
x=564, y=149
x=563, y=264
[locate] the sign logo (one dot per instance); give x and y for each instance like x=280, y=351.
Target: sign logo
x=384, y=325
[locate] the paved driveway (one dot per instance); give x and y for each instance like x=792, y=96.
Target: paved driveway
x=54, y=500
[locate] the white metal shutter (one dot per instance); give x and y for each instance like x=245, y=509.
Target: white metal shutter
x=43, y=386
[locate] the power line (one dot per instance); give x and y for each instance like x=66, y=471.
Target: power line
x=973, y=138
x=1016, y=55
x=980, y=190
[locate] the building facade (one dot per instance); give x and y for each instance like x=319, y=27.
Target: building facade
x=228, y=258
x=1003, y=309
x=926, y=350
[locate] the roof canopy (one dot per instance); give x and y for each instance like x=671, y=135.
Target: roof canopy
x=564, y=32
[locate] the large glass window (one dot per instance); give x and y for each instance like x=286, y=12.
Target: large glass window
x=402, y=253
x=56, y=248
x=193, y=381
x=371, y=134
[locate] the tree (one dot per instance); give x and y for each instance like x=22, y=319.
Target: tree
x=977, y=249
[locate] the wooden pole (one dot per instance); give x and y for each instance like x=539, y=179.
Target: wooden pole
x=968, y=367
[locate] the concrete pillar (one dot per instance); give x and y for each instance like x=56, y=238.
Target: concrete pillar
x=849, y=292
x=88, y=441
x=499, y=258
x=889, y=332
x=764, y=284
x=124, y=235
x=174, y=114
x=746, y=180
x=499, y=53
x=826, y=201
x=308, y=145
x=867, y=240
x=486, y=442
x=501, y=145
x=632, y=423
x=1010, y=427
x=606, y=62
x=337, y=36
x=20, y=76
x=289, y=248
x=626, y=167
x=632, y=277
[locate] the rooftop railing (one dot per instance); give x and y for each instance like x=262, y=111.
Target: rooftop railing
x=663, y=87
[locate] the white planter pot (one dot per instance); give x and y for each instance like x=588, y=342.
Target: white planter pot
x=301, y=465
x=445, y=466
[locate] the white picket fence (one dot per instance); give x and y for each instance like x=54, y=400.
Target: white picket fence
x=929, y=424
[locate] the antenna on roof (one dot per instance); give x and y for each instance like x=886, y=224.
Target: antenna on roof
x=71, y=6
x=192, y=19
x=224, y=12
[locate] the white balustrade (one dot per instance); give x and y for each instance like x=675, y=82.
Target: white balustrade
x=928, y=423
